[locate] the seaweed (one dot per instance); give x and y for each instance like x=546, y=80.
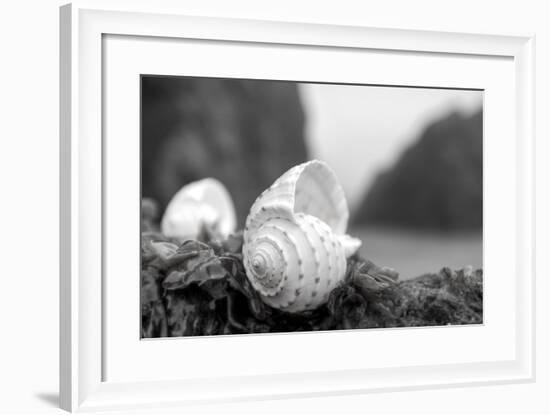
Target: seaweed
x=198, y=288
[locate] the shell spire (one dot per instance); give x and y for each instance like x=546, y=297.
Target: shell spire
x=295, y=245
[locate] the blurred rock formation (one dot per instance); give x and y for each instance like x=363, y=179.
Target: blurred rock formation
x=436, y=184
x=245, y=133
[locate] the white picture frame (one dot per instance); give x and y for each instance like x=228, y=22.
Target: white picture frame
x=85, y=27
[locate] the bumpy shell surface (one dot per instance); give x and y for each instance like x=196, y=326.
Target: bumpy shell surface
x=198, y=204
x=295, y=246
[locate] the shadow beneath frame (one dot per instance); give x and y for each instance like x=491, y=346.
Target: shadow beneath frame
x=52, y=399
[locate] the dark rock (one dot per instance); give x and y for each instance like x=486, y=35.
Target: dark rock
x=444, y=298
x=436, y=184
x=243, y=132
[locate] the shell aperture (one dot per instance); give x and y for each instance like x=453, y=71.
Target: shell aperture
x=198, y=204
x=295, y=246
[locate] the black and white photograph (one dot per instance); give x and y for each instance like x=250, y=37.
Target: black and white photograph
x=292, y=207
x=275, y=206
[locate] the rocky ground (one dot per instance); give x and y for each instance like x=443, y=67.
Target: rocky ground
x=200, y=288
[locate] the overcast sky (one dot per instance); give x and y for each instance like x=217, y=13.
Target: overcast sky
x=360, y=130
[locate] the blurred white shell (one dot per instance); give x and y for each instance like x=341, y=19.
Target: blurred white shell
x=200, y=204
x=295, y=246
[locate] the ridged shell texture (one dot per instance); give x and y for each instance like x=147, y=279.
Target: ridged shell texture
x=295, y=245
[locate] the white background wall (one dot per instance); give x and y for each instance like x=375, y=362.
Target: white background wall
x=29, y=201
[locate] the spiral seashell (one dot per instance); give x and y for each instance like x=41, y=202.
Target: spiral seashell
x=295, y=246
x=198, y=205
